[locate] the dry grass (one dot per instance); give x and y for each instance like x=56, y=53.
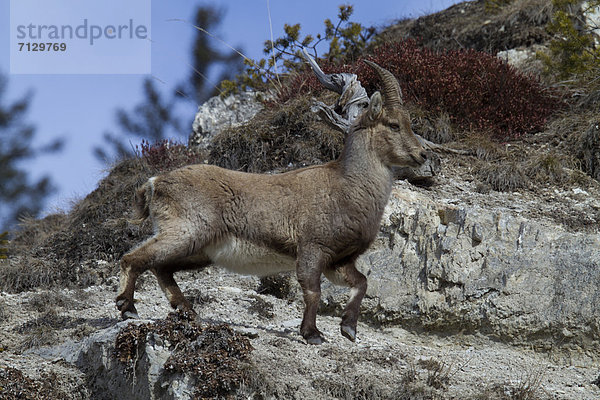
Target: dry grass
x=3, y=311
x=560, y=157
x=576, y=134
x=42, y=330
x=503, y=177
x=16, y=385
x=357, y=386
x=279, y=138
x=490, y=26
x=528, y=387
x=435, y=128
x=439, y=372
x=64, y=249
x=49, y=300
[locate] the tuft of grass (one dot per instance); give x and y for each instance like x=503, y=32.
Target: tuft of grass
x=279, y=285
x=3, y=243
x=41, y=331
x=504, y=177
x=549, y=166
x=438, y=372
x=434, y=127
x=49, y=300
x=529, y=387
x=167, y=155
x=356, y=386
x=261, y=307
x=33, y=232
x=26, y=272
x=3, y=311
x=589, y=150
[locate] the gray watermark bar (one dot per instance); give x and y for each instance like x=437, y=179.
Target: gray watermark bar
x=80, y=37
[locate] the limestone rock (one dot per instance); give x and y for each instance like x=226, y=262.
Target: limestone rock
x=109, y=378
x=217, y=114
x=451, y=268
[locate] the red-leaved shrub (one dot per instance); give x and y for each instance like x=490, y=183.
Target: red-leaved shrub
x=166, y=155
x=477, y=90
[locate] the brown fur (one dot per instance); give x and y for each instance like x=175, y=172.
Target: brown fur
x=315, y=220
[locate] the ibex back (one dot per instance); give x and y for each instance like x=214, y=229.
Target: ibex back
x=315, y=220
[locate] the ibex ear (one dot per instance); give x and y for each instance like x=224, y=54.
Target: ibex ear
x=375, y=106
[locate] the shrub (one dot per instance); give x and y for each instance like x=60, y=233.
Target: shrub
x=346, y=40
x=276, y=139
x=477, y=90
x=573, y=51
x=166, y=155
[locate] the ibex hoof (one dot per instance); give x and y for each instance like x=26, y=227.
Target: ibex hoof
x=315, y=340
x=130, y=315
x=348, y=332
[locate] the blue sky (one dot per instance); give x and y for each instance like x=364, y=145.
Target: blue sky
x=80, y=108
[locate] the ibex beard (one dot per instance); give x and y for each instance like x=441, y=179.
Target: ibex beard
x=313, y=221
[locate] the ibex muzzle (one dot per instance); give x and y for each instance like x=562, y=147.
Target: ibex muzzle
x=314, y=221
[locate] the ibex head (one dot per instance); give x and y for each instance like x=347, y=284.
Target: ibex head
x=389, y=123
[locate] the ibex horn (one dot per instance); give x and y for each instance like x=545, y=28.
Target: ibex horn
x=391, y=88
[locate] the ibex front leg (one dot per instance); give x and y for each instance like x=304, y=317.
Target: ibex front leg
x=310, y=264
x=346, y=274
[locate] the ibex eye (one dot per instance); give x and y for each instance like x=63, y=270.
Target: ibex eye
x=395, y=127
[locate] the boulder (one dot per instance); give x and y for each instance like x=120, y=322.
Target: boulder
x=219, y=113
x=110, y=378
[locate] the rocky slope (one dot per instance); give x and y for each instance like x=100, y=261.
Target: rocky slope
x=386, y=361
x=471, y=296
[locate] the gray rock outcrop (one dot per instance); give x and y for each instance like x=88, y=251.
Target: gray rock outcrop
x=449, y=268
x=217, y=114
x=109, y=378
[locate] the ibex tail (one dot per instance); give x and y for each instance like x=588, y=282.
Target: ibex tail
x=143, y=195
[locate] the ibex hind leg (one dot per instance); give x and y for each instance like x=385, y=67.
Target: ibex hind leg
x=159, y=250
x=164, y=275
x=348, y=275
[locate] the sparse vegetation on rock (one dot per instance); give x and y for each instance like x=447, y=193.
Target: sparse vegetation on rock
x=214, y=355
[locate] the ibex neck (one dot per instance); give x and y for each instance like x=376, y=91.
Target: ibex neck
x=360, y=164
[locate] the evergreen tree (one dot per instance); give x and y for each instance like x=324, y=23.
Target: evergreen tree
x=206, y=56
x=19, y=194
x=151, y=120
x=154, y=119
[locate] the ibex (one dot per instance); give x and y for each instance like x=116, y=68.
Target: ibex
x=315, y=220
